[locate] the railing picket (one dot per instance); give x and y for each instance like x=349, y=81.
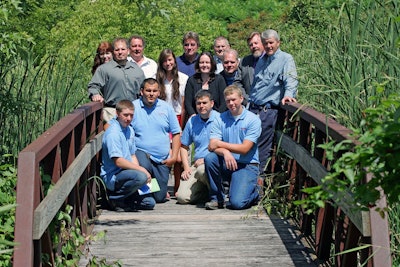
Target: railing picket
x=53, y=152
x=332, y=218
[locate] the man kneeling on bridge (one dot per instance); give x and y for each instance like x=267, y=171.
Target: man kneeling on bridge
x=120, y=170
x=234, y=154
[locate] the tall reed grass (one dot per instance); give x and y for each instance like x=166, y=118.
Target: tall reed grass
x=36, y=93
x=347, y=66
x=350, y=66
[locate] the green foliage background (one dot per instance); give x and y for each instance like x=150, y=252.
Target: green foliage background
x=346, y=51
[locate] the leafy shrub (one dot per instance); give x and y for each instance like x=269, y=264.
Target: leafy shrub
x=8, y=178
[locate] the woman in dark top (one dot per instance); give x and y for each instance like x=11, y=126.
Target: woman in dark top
x=205, y=79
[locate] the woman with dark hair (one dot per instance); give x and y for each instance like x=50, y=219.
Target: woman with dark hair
x=103, y=55
x=205, y=79
x=172, y=89
x=172, y=82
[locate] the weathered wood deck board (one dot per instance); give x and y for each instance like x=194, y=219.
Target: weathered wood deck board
x=186, y=235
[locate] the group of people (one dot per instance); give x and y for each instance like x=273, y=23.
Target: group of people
x=220, y=106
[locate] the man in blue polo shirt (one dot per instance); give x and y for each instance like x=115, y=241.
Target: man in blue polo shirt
x=153, y=122
x=120, y=170
x=194, y=186
x=234, y=154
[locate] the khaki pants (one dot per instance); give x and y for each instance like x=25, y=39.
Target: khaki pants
x=108, y=114
x=195, y=189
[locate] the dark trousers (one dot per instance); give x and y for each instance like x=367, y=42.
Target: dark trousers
x=157, y=170
x=268, y=119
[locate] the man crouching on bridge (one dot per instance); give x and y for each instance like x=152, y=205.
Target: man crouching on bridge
x=234, y=154
x=120, y=170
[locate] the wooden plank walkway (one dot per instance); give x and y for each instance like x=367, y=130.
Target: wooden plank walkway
x=188, y=235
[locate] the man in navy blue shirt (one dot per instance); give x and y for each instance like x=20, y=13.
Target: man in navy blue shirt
x=186, y=62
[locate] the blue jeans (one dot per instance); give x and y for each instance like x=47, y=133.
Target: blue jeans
x=158, y=171
x=268, y=119
x=243, y=191
x=127, y=183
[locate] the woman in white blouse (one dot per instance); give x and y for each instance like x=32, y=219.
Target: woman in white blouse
x=172, y=90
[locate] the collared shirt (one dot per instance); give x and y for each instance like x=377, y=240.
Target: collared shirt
x=197, y=131
x=245, y=73
x=185, y=66
x=148, y=66
x=152, y=126
x=247, y=126
x=274, y=78
x=230, y=78
x=118, y=142
x=115, y=82
x=176, y=104
x=220, y=64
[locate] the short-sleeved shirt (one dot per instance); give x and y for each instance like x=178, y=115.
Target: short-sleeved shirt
x=152, y=127
x=235, y=130
x=176, y=104
x=118, y=142
x=148, y=66
x=197, y=131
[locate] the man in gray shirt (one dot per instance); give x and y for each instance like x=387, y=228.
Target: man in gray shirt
x=245, y=74
x=116, y=80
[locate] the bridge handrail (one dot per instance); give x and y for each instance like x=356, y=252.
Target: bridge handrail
x=74, y=141
x=304, y=129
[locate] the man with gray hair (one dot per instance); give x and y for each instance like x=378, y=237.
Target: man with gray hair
x=275, y=83
x=230, y=61
x=136, y=54
x=221, y=44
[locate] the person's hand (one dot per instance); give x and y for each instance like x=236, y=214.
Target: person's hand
x=148, y=175
x=214, y=144
x=169, y=162
x=97, y=98
x=186, y=174
x=230, y=161
x=288, y=99
x=198, y=162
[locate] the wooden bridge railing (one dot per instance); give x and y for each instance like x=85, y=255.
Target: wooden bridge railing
x=333, y=229
x=69, y=153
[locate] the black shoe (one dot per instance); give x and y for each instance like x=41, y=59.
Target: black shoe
x=121, y=206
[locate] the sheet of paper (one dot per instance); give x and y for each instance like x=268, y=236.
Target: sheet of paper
x=151, y=187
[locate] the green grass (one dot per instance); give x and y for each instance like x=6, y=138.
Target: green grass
x=34, y=94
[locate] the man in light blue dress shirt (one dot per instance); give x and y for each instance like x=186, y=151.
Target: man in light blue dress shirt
x=275, y=83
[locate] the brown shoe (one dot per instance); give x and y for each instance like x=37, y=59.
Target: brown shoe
x=214, y=205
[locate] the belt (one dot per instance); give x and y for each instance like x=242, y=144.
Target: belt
x=254, y=164
x=265, y=106
x=109, y=106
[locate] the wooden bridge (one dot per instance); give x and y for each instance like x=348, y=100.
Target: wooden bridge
x=69, y=154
